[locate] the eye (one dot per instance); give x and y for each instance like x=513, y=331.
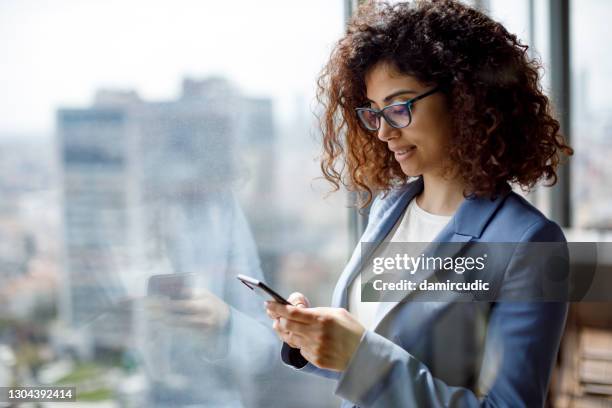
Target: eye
x=398, y=109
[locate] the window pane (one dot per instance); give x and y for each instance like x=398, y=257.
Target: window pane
x=152, y=151
x=591, y=113
x=529, y=20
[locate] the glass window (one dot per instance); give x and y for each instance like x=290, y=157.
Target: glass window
x=151, y=151
x=529, y=20
x=591, y=109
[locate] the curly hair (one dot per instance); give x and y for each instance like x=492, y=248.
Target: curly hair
x=503, y=125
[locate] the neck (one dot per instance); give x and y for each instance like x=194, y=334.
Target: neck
x=440, y=196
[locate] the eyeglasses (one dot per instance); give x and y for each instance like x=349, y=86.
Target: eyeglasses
x=397, y=115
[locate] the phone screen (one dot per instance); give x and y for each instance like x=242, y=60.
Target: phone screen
x=173, y=286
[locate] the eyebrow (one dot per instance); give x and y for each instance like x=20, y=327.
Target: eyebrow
x=394, y=94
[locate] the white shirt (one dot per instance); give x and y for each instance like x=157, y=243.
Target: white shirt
x=416, y=225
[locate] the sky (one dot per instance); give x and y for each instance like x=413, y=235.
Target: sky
x=58, y=53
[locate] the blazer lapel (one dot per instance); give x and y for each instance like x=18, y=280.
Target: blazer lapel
x=446, y=235
x=465, y=226
x=376, y=231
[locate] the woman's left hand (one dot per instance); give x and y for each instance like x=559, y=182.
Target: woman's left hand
x=327, y=337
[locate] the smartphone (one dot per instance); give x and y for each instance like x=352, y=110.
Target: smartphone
x=172, y=285
x=262, y=289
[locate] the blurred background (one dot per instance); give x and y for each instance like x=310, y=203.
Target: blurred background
x=140, y=138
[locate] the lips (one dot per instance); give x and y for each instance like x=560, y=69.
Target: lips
x=401, y=150
x=403, y=153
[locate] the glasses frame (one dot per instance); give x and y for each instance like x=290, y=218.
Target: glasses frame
x=381, y=113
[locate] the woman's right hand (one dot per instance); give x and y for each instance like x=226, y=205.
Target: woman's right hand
x=296, y=299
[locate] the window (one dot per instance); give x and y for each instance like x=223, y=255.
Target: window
x=590, y=110
x=141, y=139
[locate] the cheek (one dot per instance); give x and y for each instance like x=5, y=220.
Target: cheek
x=436, y=147
x=433, y=136
x=432, y=142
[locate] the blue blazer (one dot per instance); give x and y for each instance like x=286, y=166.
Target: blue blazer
x=453, y=354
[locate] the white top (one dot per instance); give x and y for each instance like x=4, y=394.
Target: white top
x=416, y=225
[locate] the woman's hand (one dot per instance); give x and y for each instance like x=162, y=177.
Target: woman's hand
x=327, y=337
x=197, y=324
x=296, y=299
x=199, y=310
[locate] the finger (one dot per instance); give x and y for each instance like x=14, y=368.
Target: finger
x=293, y=340
x=185, y=322
x=187, y=304
x=200, y=307
x=269, y=311
x=307, y=355
x=269, y=303
x=292, y=326
x=272, y=315
x=277, y=328
x=192, y=292
x=273, y=307
x=300, y=314
x=195, y=322
x=280, y=330
x=154, y=303
x=180, y=310
x=155, y=308
x=290, y=343
x=298, y=299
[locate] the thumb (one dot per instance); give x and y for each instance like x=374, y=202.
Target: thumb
x=299, y=300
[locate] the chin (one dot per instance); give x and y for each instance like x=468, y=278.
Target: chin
x=411, y=171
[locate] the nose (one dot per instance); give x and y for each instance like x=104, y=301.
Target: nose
x=387, y=132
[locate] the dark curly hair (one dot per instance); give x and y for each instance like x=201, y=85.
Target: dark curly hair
x=503, y=125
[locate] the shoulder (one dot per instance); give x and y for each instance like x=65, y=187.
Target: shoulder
x=520, y=221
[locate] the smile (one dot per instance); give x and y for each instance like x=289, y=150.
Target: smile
x=404, y=154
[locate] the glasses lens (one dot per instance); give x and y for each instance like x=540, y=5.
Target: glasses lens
x=369, y=119
x=398, y=115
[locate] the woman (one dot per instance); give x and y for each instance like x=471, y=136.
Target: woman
x=205, y=347
x=195, y=348
x=438, y=91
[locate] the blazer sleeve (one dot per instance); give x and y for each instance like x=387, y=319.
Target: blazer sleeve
x=521, y=344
